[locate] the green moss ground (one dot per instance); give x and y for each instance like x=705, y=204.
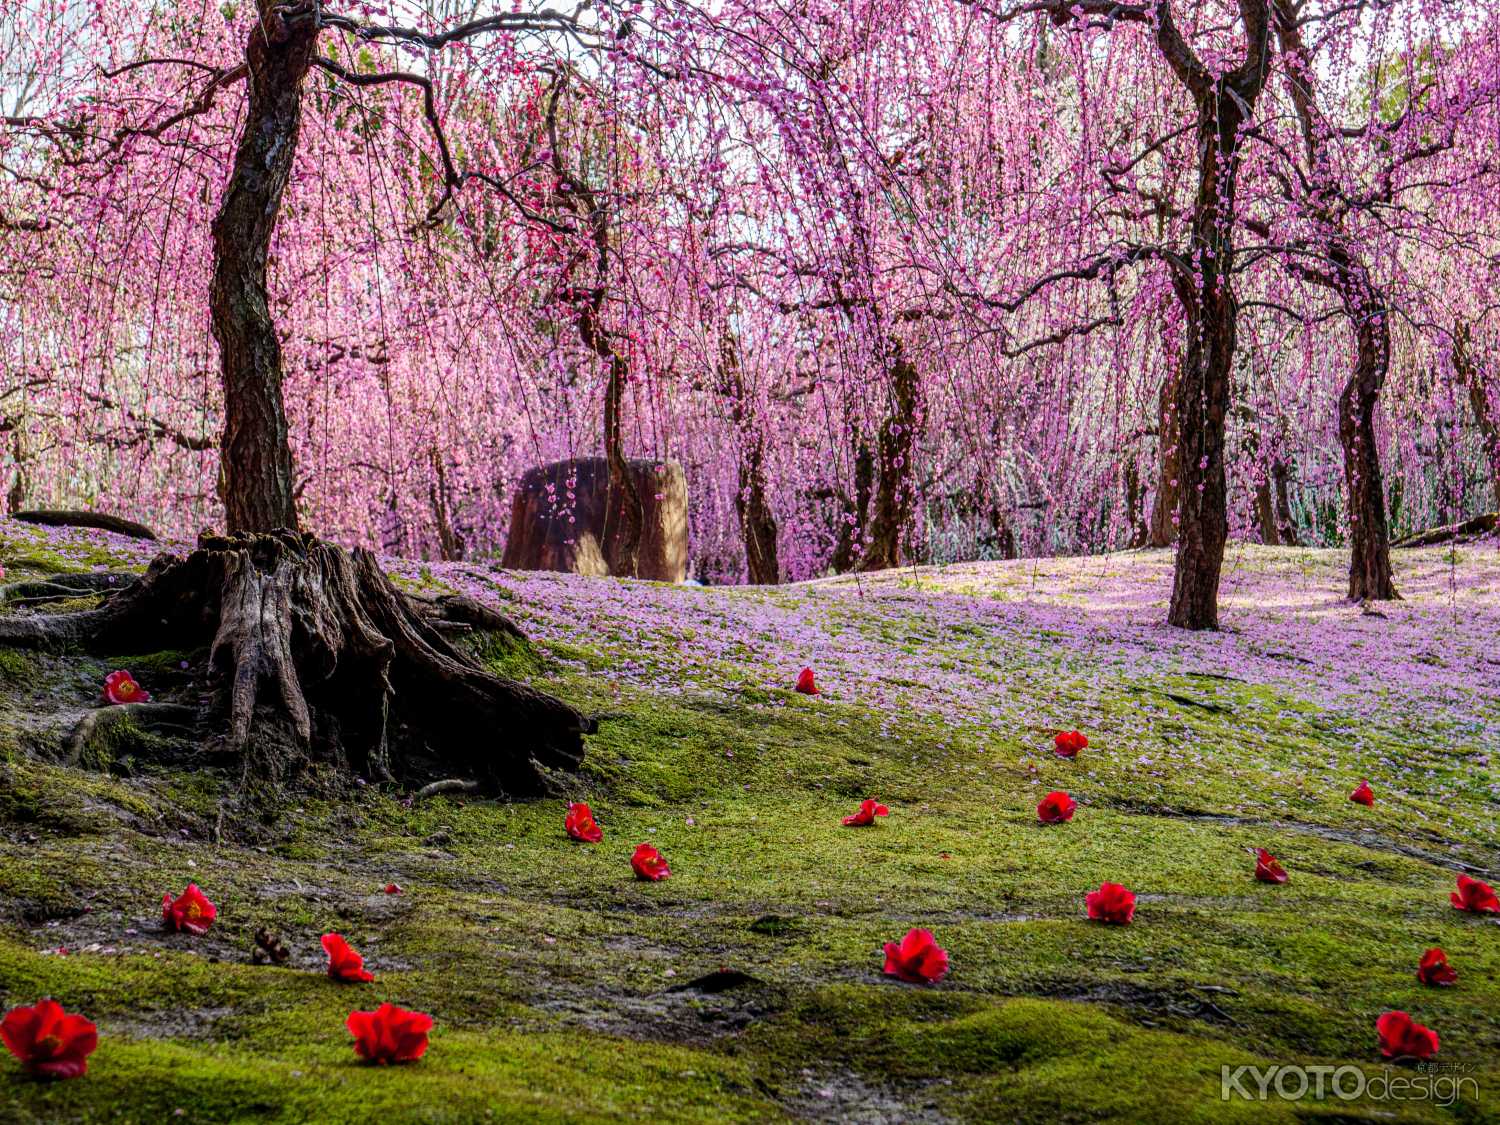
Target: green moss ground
x=551, y=973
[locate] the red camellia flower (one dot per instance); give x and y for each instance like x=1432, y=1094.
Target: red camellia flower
x=120, y=687
x=190, y=912
x=649, y=864
x=1111, y=903
x=343, y=963
x=1474, y=896
x=868, y=811
x=1056, y=807
x=805, y=682
x=580, y=823
x=1068, y=743
x=1401, y=1037
x=1434, y=968
x=49, y=1042
x=389, y=1034
x=918, y=959
x=1267, y=870
x=1363, y=795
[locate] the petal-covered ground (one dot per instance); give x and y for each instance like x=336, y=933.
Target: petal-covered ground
x=749, y=984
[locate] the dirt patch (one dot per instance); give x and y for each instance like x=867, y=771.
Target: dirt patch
x=696, y=1012
x=1147, y=1004
x=841, y=1095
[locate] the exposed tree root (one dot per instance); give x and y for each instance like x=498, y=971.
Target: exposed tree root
x=160, y=718
x=62, y=586
x=315, y=657
x=102, y=520
x=446, y=785
x=1453, y=533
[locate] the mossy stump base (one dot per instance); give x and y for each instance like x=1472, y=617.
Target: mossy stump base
x=314, y=657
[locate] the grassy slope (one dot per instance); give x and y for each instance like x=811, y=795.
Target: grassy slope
x=549, y=971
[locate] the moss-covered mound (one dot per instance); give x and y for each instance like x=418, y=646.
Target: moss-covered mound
x=564, y=989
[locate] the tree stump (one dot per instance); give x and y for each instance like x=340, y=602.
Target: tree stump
x=315, y=657
x=565, y=517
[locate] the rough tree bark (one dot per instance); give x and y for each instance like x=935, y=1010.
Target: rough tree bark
x=893, y=490
x=313, y=656
x=255, y=471
x=757, y=521
x=1370, y=577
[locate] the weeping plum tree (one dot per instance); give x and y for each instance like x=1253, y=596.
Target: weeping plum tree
x=1222, y=100
x=310, y=649
x=407, y=276
x=1341, y=269
x=1353, y=188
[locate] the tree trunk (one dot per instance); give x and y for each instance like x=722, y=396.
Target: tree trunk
x=15, y=495
x=1370, y=577
x=1286, y=525
x=1265, y=514
x=255, y=470
x=855, y=513
x=1482, y=401
x=1346, y=275
x=893, y=492
x=621, y=480
x=1201, y=397
x=757, y=521
x=1163, y=530
x=1263, y=501
x=1202, y=403
x=450, y=542
x=1135, y=519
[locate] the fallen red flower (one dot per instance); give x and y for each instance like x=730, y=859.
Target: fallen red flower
x=49, y=1042
x=868, y=811
x=1401, y=1037
x=1474, y=896
x=649, y=864
x=805, y=682
x=190, y=912
x=120, y=687
x=1056, y=808
x=389, y=1034
x=392, y=888
x=1434, y=968
x=1363, y=795
x=1267, y=870
x=343, y=963
x=580, y=825
x=917, y=959
x=1068, y=743
x=1111, y=903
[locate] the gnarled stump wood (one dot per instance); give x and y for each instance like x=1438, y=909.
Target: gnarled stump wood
x=314, y=656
